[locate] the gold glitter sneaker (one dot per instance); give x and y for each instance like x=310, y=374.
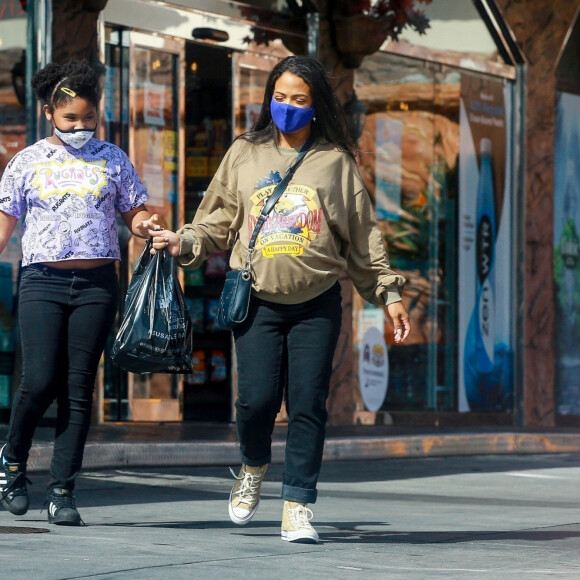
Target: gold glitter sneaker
x=296, y=524
x=245, y=495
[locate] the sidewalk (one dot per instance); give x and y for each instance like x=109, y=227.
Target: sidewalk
x=205, y=444
x=451, y=518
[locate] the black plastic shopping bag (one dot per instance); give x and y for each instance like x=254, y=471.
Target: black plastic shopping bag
x=155, y=332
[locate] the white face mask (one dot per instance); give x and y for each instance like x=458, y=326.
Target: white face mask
x=76, y=138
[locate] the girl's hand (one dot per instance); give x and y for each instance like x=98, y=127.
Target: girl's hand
x=165, y=240
x=400, y=319
x=151, y=223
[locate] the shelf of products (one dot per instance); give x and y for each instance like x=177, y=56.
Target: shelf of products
x=207, y=388
x=208, y=134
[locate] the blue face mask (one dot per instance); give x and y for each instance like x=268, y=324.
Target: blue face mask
x=289, y=118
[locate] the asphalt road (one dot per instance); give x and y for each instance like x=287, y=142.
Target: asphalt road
x=456, y=517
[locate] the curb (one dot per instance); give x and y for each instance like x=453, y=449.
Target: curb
x=206, y=453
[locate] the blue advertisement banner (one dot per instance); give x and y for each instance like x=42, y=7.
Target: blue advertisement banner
x=485, y=263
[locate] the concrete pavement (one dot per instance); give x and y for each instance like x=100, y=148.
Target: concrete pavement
x=503, y=516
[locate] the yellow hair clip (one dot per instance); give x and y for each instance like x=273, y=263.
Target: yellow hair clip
x=68, y=91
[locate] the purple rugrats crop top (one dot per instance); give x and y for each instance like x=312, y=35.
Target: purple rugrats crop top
x=68, y=199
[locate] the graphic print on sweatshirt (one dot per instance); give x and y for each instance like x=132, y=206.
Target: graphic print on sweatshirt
x=69, y=200
x=294, y=222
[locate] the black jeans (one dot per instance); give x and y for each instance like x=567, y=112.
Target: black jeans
x=287, y=347
x=65, y=317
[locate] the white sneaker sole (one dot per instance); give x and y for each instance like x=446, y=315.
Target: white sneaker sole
x=301, y=536
x=238, y=520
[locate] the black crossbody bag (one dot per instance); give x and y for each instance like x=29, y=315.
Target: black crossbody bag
x=234, y=301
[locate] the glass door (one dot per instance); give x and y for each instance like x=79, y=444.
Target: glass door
x=155, y=121
x=143, y=114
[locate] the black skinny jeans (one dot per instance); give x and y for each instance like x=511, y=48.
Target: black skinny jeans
x=65, y=317
x=287, y=347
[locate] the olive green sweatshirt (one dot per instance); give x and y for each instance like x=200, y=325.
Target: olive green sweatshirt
x=322, y=225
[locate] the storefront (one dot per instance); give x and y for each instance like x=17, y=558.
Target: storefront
x=442, y=131
x=438, y=153
x=183, y=79
x=181, y=82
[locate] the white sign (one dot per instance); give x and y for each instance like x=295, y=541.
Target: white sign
x=373, y=369
x=153, y=180
x=154, y=106
x=369, y=317
x=252, y=114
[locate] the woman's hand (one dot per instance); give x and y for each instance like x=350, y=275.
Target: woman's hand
x=165, y=240
x=400, y=319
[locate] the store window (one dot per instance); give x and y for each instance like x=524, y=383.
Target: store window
x=13, y=41
x=436, y=157
x=566, y=230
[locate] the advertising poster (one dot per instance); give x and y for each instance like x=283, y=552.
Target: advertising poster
x=154, y=107
x=567, y=254
x=484, y=247
x=388, y=167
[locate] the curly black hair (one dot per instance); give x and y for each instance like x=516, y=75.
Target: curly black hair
x=50, y=84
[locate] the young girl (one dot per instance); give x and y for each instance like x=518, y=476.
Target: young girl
x=66, y=189
x=322, y=226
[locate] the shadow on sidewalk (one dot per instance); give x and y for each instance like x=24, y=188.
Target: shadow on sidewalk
x=354, y=535
x=358, y=532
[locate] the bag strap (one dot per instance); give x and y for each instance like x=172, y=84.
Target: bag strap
x=277, y=194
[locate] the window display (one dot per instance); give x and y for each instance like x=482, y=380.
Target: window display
x=423, y=175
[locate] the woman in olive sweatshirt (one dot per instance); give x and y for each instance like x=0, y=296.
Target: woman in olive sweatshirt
x=322, y=226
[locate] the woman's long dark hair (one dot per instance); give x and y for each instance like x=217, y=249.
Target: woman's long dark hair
x=329, y=118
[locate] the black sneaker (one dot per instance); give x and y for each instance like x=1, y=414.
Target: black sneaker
x=13, y=492
x=62, y=509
